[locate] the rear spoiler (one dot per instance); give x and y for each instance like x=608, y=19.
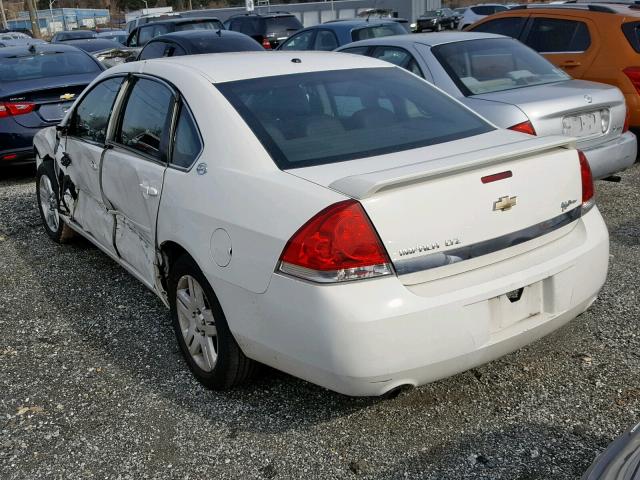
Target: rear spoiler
x=367, y=184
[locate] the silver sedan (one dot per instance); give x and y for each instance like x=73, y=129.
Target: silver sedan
x=516, y=88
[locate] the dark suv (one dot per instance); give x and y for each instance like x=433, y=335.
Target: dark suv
x=139, y=36
x=268, y=29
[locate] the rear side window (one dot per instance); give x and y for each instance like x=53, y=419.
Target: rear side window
x=91, y=116
x=550, y=35
x=14, y=69
x=326, y=117
x=378, y=31
x=144, y=35
x=153, y=50
x=145, y=117
x=632, y=32
x=186, y=141
x=509, y=26
x=301, y=41
x=325, y=40
x=398, y=56
x=488, y=9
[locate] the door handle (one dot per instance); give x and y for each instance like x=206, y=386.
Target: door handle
x=148, y=191
x=570, y=63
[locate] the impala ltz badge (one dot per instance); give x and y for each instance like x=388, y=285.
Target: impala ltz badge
x=423, y=248
x=566, y=204
x=504, y=203
x=67, y=96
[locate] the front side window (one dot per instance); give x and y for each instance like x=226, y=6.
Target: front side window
x=301, y=41
x=325, y=40
x=549, y=35
x=509, y=26
x=91, y=116
x=186, y=141
x=145, y=117
x=326, y=117
x=378, y=31
x=495, y=64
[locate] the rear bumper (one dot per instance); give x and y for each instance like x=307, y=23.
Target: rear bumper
x=612, y=157
x=16, y=142
x=368, y=337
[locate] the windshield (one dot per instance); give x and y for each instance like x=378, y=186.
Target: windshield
x=55, y=64
x=200, y=25
x=492, y=65
x=282, y=24
x=326, y=117
x=377, y=31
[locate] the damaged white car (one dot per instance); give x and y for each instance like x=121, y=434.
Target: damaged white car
x=335, y=217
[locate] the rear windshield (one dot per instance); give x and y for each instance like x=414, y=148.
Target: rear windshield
x=75, y=35
x=326, y=117
x=488, y=9
x=492, y=65
x=228, y=44
x=378, y=31
x=282, y=24
x=200, y=25
x=46, y=65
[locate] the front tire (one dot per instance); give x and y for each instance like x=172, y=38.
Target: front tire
x=47, y=195
x=201, y=328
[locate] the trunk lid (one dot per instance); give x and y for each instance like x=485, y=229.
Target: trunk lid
x=573, y=108
x=52, y=101
x=435, y=215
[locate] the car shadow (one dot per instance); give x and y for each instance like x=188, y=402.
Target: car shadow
x=523, y=451
x=114, y=315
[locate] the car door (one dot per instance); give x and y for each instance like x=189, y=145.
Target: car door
x=133, y=171
x=81, y=155
x=568, y=43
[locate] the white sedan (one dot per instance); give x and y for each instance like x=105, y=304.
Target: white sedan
x=332, y=216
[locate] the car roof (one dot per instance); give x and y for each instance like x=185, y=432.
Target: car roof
x=181, y=20
x=263, y=15
x=25, y=50
x=228, y=67
x=98, y=43
x=429, y=39
x=629, y=9
x=354, y=23
x=192, y=40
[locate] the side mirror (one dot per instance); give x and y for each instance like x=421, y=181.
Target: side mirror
x=60, y=128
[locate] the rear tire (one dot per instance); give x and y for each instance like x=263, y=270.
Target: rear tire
x=439, y=27
x=201, y=328
x=47, y=195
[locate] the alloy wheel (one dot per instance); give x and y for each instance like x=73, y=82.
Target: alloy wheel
x=197, y=323
x=48, y=203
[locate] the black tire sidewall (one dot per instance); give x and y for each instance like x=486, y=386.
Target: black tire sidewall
x=228, y=349
x=46, y=169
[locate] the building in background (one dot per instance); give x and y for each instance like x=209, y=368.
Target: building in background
x=59, y=19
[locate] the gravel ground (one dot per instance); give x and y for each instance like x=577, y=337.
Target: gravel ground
x=92, y=384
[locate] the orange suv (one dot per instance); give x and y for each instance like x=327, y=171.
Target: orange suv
x=597, y=41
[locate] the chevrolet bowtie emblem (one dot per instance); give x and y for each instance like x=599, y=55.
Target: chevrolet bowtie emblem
x=504, y=203
x=67, y=96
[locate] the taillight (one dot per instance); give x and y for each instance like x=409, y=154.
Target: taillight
x=633, y=73
x=524, y=127
x=13, y=109
x=588, y=200
x=336, y=245
x=266, y=43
